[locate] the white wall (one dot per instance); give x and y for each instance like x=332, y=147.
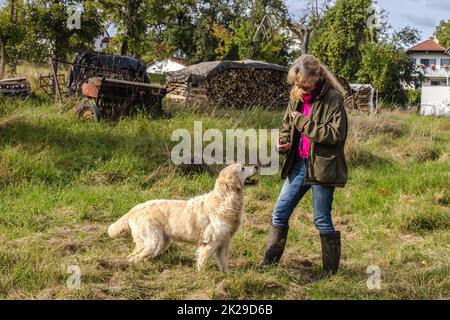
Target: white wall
x=435, y=101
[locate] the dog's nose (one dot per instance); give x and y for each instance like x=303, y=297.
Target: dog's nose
x=257, y=168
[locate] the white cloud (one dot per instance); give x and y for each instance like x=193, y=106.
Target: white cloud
x=421, y=21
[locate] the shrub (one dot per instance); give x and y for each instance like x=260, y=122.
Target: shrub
x=414, y=96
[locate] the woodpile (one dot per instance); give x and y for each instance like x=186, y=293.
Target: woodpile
x=254, y=84
x=358, y=97
x=177, y=91
x=363, y=95
x=15, y=87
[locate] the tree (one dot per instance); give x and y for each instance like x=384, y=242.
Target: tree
x=406, y=37
x=48, y=34
x=309, y=22
x=338, y=42
x=11, y=33
x=386, y=66
x=443, y=33
x=259, y=32
x=131, y=20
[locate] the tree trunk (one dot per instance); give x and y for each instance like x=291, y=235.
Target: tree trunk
x=13, y=67
x=306, y=39
x=54, y=64
x=377, y=103
x=12, y=12
x=2, y=57
x=124, y=47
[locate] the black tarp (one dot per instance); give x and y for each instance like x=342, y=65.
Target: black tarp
x=95, y=64
x=206, y=70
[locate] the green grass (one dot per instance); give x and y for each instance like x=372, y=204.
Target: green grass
x=63, y=181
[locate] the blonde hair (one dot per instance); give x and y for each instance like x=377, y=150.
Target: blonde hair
x=307, y=66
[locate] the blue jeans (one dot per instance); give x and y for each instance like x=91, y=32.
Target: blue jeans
x=293, y=191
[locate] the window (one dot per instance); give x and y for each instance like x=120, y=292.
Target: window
x=412, y=61
x=428, y=62
x=438, y=83
x=445, y=62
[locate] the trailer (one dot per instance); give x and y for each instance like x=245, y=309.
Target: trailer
x=106, y=98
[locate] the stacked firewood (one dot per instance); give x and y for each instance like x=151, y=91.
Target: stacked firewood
x=348, y=96
x=243, y=88
x=358, y=97
x=177, y=91
x=363, y=96
x=15, y=87
x=238, y=88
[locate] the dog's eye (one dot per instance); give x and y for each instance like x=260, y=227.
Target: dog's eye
x=243, y=168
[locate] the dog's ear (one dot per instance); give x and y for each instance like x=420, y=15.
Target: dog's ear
x=230, y=180
x=237, y=183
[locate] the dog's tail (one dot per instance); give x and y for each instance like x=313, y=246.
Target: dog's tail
x=119, y=228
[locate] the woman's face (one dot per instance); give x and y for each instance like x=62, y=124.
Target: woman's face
x=308, y=84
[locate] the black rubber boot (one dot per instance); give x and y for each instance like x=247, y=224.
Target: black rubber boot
x=331, y=252
x=276, y=243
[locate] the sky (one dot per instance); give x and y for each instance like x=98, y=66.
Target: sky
x=424, y=15
x=421, y=14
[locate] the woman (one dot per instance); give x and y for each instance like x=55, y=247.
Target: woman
x=313, y=138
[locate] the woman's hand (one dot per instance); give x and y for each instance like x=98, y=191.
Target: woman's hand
x=294, y=114
x=282, y=146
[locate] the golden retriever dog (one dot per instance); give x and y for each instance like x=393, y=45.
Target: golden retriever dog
x=208, y=221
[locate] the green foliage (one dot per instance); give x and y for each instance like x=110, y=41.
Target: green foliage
x=443, y=33
x=338, y=42
x=347, y=45
x=387, y=68
x=47, y=32
x=131, y=18
x=238, y=44
x=414, y=96
x=218, y=29
x=245, y=39
x=12, y=31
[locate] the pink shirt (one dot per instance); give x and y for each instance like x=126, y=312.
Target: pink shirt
x=304, y=143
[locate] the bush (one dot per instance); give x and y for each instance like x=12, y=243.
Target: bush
x=157, y=78
x=414, y=96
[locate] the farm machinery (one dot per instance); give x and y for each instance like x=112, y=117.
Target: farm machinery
x=113, y=99
x=112, y=86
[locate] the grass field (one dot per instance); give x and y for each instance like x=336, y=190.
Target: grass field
x=63, y=181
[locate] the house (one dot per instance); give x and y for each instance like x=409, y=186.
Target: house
x=168, y=65
x=102, y=42
x=433, y=61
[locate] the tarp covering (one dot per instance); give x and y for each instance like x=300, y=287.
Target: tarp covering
x=206, y=70
x=95, y=64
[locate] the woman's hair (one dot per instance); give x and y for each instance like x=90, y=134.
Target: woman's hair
x=307, y=66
